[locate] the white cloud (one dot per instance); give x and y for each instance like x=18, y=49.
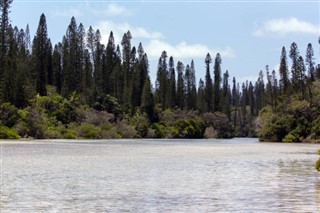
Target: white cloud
x=184, y=50
x=282, y=27
x=119, y=29
x=154, y=42
x=114, y=9
x=67, y=13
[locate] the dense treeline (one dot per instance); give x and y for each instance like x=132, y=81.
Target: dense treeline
x=81, y=88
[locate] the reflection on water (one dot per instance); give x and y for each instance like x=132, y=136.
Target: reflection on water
x=239, y=175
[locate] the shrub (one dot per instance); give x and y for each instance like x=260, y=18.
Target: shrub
x=108, y=103
x=9, y=115
x=8, y=133
x=210, y=132
x=162, y=131
x=317, y=165
x=96, y=117
x=141, y=123
x=89, y=131
x=126, y=130
x=189, y=128
x=36, y=122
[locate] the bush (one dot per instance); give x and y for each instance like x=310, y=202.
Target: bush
x=36, y=122
x=9, y=115
x=189, y=128
x=57, y=106
x=220, y=123
x=141, y=123
x=210, y=132
x=89, y=131
x=317, y=165
x=109, y=104
x=96, y=117
x=162, y=131
x=126, y=130
x=7, y=133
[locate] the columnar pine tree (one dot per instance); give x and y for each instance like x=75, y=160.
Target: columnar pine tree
x=4, y=25
x=162, y=80
x=172, y=84
x=217, y=82
x=57, y=66
x=126, y=50
x=180, y=85
x=193, y=92
x=201, y=104
x=118, y=77
x=49, y=63
x=294, y=55
x=310, y=62
x=301, y=76
x=208, y=83
x=283, y=71
x=109, y=65
x=39, y=52
x=226, y=95
x=98, y=64
x=147, y=103
x=10, y=68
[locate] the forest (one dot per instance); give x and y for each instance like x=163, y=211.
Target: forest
x=81, y=88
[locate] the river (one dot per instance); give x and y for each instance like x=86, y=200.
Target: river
x=237, y=175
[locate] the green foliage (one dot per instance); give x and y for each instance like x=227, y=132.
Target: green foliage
x=317, y=165
x=109, y=104
x=189, y=128
x=220, y=123
x=36, y=122
x=89, y=131
x=162, y=131
x=8, y=133
x=141, y=123
x=9, y=115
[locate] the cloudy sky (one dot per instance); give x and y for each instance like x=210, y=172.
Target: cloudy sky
x=248, y=34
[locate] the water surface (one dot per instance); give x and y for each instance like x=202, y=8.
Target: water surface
x=238, y=175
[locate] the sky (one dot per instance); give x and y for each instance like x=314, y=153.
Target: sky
x=248, y=34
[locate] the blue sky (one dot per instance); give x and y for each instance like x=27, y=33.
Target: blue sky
x=248, y=34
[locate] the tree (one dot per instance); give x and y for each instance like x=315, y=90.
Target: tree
x=310, y=62
x=172, y=84
x=193, y=92
x=208, y=84
x=217, y=82
x=117, y=75
x=4, y=25
x=9, y=83
x=147, y=104
x=91, y=42
x=27, y=39
x=109, y=65
x=126, y=50
x=49, y=63
x=180, y=85
x=98, y=64
x=302, y=76
x=226, y=95
x=40, y=51
x=57, y=66
x=201, y=104
x=162, y=80
x=294, y=55
x=283, y=70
